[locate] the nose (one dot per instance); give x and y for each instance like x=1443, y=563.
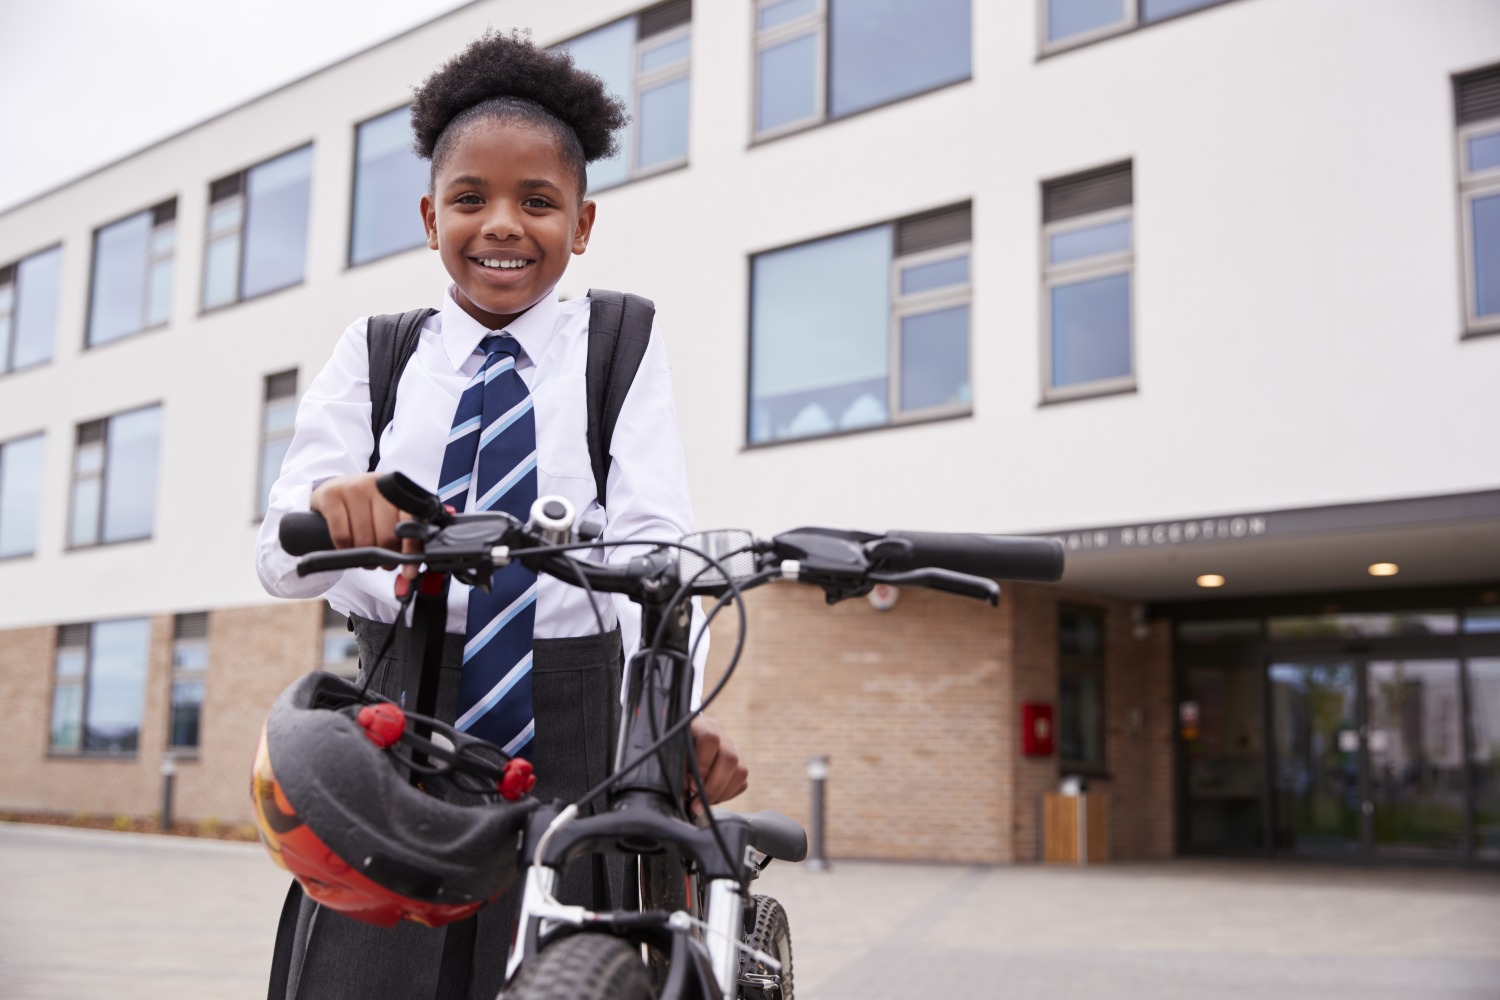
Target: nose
x=503, y=221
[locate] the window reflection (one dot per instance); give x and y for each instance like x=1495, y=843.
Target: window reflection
x=389, y=181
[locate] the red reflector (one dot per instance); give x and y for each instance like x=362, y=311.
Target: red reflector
x=383, y=723
x=519, y=779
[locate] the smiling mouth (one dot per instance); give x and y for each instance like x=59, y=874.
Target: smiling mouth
x=502, y=265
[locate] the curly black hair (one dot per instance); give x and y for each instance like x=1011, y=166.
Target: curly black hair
x=505, y=77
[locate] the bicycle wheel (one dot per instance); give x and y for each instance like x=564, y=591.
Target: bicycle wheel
x=583, y=967
x=772, y=935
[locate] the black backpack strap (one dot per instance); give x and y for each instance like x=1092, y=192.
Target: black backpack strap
x=619, y=330
x=393, y=339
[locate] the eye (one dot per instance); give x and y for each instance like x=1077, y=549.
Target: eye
x=468, y=198
x=537, y=201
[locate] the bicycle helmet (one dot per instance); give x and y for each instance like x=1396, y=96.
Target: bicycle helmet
x=336, y=806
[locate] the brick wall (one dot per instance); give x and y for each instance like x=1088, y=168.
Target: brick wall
x=253, y=654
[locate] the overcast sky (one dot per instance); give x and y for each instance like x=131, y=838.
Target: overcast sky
x=84, y=82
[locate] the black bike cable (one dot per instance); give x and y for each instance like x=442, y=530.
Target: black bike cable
x=390, y=637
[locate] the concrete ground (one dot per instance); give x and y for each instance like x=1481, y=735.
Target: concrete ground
x=85, y=914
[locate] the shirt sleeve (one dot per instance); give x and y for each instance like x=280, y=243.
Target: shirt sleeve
x=331, y=438
x=646, y=495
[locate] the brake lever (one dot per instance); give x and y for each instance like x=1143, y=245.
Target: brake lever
x=945, y=580
x=323, y=562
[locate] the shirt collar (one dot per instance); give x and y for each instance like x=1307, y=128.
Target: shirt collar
x=461, y=333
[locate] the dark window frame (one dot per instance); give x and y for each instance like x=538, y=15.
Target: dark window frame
x=349, y=262
x=818, y=23
x=895, y=310
x=1079, y=665
x=1474, y=117
x=27, y=436
x=86, y=682
x=103, y=477
x=152, y=258
x=1129, y=25
x=273, y=382
x=10, y=275
x=187, y=628
x=237, y=184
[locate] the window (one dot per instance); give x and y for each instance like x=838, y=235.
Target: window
x=891, y=345
x=114, y=478
x=277, y=418
x=99, y=687
x=389, y=180
x=257, y=229
x=20, y=494
x=1066, y=23
x=340, y=651
x=132, y=282
x=189, y=663
x=1086, y=284
x=643, y=60
x=1080, y=700
x=817, y=60
x=1478, y=100
x=28, y=309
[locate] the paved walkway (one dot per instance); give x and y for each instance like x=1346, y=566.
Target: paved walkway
x=135, y=917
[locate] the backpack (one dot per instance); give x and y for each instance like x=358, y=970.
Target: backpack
x=619, y=329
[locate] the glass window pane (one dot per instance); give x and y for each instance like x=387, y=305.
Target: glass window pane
x=939, y=274
x=20, y=494
x=71, y=661
x=221, y=271
x=1482, y=620
x=39, y=280
x=67, y=717
x=1074, y=17
x=5, y=331
x=1484, y=741
x=663, y=125
x=281, y=414
x=1486, y=223
x=882, y=50
x=663, y=55
x=1091, y=330
x=1080, y=633
x=1219, y=630
x=340, y=651
x=1080, y=719
x=225, y=215
x=785, y=80
x=389, y=181
x=1112, y=237
x=1155, y=10
x=130, y=475
x=84, y=527
x=117, y=300
x=773, y=14
x=159, y=293
x=187, y=709
x=7, y=296
x=189, y=654
x=117, y=684
x=1362, y=625
x=164, y=239
x=610, y=54
x=89, y=459
x=1484, y=152
x=935, y=359
x=819, y=361
x=276, y=222
x=273, y=453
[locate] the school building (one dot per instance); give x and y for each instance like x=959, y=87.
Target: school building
x=1208, y=289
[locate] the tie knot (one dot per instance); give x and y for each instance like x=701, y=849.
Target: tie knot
x=500, y=344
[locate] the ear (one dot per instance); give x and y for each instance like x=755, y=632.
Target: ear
x=584, y=227
x=429, y=220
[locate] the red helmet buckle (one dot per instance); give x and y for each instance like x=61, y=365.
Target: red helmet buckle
x=519, y=779
x=383, y=723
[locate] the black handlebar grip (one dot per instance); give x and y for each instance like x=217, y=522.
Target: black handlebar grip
x=998, y=557
x=303, y=532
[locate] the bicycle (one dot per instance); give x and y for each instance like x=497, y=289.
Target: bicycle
x=699, y=933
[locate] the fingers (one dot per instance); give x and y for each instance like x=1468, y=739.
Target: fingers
x=724, y=774
x=409, y=545
x=356, y=513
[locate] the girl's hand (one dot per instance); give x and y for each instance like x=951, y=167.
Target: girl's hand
x=359, y=516
x=724, y=774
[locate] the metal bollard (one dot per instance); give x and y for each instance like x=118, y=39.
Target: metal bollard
x=168, y=783
x=817, y=773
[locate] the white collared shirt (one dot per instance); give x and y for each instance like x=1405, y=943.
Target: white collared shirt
x=646, y=490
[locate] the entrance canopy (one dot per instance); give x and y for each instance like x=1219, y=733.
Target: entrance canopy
x=1442, y=540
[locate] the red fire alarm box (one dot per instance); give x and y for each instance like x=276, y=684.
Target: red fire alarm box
x=1036, y=729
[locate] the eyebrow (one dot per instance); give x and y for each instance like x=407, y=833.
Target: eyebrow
x=470, y=180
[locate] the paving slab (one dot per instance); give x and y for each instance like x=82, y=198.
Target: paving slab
x=137, y=917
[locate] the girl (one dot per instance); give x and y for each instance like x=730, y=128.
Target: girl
x=508, y=129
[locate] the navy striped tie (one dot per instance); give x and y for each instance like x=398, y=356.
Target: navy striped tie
x=492, y=454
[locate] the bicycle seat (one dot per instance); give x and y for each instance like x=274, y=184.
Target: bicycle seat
x=772, y=834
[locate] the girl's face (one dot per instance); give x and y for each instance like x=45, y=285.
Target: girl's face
x=504, y=216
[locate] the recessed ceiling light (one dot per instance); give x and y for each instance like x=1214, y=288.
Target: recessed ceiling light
x=1383, y=569
x=1210, y=580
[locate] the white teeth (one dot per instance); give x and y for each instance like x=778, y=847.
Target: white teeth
x=509, y=265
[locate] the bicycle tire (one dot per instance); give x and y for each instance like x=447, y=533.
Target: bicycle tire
x=772, y=934
x=583, y=967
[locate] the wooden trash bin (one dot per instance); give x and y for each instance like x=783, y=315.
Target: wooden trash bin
x=1075, y=828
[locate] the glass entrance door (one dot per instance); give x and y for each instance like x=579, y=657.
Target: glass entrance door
x=1317, y=791
x=1416, y=756
x=1222, y=730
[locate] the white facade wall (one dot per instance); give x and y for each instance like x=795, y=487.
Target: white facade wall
x=1297, y=284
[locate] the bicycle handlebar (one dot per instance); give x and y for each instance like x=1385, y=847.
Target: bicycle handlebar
x=996, y=557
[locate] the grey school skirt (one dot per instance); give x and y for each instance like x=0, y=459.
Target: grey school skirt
x=322, y=955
